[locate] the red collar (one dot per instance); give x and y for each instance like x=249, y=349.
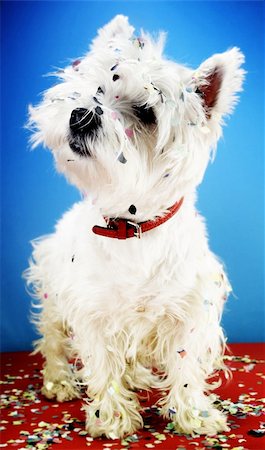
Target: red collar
x=124, y=228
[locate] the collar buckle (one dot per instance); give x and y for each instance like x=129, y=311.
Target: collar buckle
x=138, y=229
x=124, y=228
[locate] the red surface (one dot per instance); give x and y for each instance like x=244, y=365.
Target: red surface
x=28, y=420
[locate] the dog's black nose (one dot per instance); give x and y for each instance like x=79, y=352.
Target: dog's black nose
x=78, y=118
x=83, y=121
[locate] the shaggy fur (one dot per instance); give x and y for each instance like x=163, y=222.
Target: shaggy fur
x=148, y=130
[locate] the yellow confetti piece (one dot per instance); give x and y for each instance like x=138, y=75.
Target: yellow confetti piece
x=43, y=424
x=115, y=386
x=160, y=437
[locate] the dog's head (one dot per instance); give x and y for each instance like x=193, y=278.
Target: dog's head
x=129, y=126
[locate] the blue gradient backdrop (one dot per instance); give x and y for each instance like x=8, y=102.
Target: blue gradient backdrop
x=37, y=36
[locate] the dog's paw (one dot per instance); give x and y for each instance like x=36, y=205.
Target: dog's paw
x=209, y=422
x=113, y=424
x=61, y=390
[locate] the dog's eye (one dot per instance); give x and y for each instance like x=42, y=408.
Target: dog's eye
x=145, y=114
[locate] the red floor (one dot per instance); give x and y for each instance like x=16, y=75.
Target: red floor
x=28, y=420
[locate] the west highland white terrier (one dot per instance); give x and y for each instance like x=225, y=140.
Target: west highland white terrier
x=127, y=284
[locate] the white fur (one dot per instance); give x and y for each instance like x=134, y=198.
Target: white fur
x=123, y=307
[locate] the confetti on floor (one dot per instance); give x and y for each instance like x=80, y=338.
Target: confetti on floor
x=29, y=421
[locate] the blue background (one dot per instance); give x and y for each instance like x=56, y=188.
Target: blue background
x=37, y=36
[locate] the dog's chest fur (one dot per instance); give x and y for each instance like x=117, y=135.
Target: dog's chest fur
x=134, y=276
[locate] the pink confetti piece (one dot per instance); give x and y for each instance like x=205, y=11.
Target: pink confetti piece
x=129, y=132
x=46, y=295
x=182, y=353
x=114, y=115
x=249, y=367
x=75, y=64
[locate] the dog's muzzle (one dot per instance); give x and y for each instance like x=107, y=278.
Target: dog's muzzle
x=83, y=124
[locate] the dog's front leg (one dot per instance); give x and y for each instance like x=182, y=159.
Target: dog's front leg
x=112, y=408
x=58, y=378
x=189, y=359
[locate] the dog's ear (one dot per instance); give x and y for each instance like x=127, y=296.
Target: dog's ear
x=117, y=28
x=217, y=82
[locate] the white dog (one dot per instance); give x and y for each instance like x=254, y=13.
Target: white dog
x=127, y=282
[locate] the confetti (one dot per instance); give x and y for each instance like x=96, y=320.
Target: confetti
x=132, y=210
x=182, y=353
x=99, y=110
x=256, y=433
x=74, y=95
x=204, y=414
x=138, y=42
x=113, y=436
x=129, y=132
x=97, y=101
x=115, y=386
x=49, y=386
x=122, y=158
x=114, y=67
x=114, y=115
x=75, y=64
x=32, y=424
